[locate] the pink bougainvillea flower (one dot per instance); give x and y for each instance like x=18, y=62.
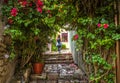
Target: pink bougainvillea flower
x=75, y=37
x=10, y=21
x=105, y=26
x=24, y=3
x=30, y=4
x=39, y=3
x=99, y=25
x=48, y=11
x=39, y=9
x=14, y=11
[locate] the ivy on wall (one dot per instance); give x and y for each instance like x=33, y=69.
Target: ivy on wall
x=92, y=19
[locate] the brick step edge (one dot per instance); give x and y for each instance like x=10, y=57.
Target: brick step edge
x=59, y=62
x=54, y=54
x=57, y=59
x=56, y=81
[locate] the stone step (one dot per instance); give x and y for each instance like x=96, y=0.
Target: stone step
x=59, y=68
x=54, y=54
x=58, y=62
x=58, y=59
x=58, y=81
x=42, y=76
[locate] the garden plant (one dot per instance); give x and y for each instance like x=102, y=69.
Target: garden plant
x=32, y=21
x=30, y=24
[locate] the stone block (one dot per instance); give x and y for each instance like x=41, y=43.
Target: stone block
x=83, y=81
x=41, y=81
x=52, y=76
x=34, y=81
x=38, y=76
x=51, y=81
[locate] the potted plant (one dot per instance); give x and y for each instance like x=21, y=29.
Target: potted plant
x=38, y=65
x=38, y=60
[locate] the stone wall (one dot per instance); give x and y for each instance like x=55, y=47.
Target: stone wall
x=6, y=67
x=1, y=23
x=6, y=71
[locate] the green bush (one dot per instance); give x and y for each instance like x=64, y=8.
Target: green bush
x=64, y=46
x=54, y=48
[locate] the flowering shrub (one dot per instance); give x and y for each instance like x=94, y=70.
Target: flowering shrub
x=28, y=20
x=103, y=25
x=99, y=41
x=28, y=17
x=75, y=37
x=25, y=11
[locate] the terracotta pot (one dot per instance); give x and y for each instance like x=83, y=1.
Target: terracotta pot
x=38, y=68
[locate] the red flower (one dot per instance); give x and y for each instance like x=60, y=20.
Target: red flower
x=10, y=21
x=99, y=25
x=30, y=4
x=75, y=37
x=39, y=9
x=105, y=26
x=14, y=11
x=24, y=3
x=39, y=3
x=48, y=11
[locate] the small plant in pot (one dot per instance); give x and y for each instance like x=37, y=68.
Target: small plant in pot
x=38, y=58
x=38, y=65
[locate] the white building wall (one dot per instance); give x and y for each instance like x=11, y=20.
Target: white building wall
x=72, y=44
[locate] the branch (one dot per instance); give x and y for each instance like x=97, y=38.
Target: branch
x=100, y=76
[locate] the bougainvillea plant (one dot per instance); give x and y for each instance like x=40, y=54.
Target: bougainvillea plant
x=75, y=37
x=29, y=23
x=103, y=25
x=24, y=11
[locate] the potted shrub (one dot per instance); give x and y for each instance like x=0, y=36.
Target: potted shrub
x=38, y=58
x=38, y=65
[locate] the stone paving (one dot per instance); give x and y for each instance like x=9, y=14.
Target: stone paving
x=59, y=68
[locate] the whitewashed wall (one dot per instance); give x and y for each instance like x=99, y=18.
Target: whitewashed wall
x=72, y=45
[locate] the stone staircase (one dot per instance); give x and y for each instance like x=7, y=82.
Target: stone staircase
x=58, y=58
x=59, y=68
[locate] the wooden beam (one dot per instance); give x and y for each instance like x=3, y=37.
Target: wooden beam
x=117, y=22
x=117, y=62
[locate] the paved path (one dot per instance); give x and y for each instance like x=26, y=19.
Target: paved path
x=59, y=68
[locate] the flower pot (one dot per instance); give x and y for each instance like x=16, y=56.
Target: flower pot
x=38, y=68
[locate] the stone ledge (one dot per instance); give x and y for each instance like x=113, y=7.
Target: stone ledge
x=38, y=76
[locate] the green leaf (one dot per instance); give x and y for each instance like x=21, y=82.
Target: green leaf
x=116, y=36
x=27, y=22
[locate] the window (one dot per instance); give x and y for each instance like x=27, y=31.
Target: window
x=64, y=37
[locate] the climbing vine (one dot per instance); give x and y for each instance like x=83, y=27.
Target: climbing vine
x=97, y=36
x=93, y=21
